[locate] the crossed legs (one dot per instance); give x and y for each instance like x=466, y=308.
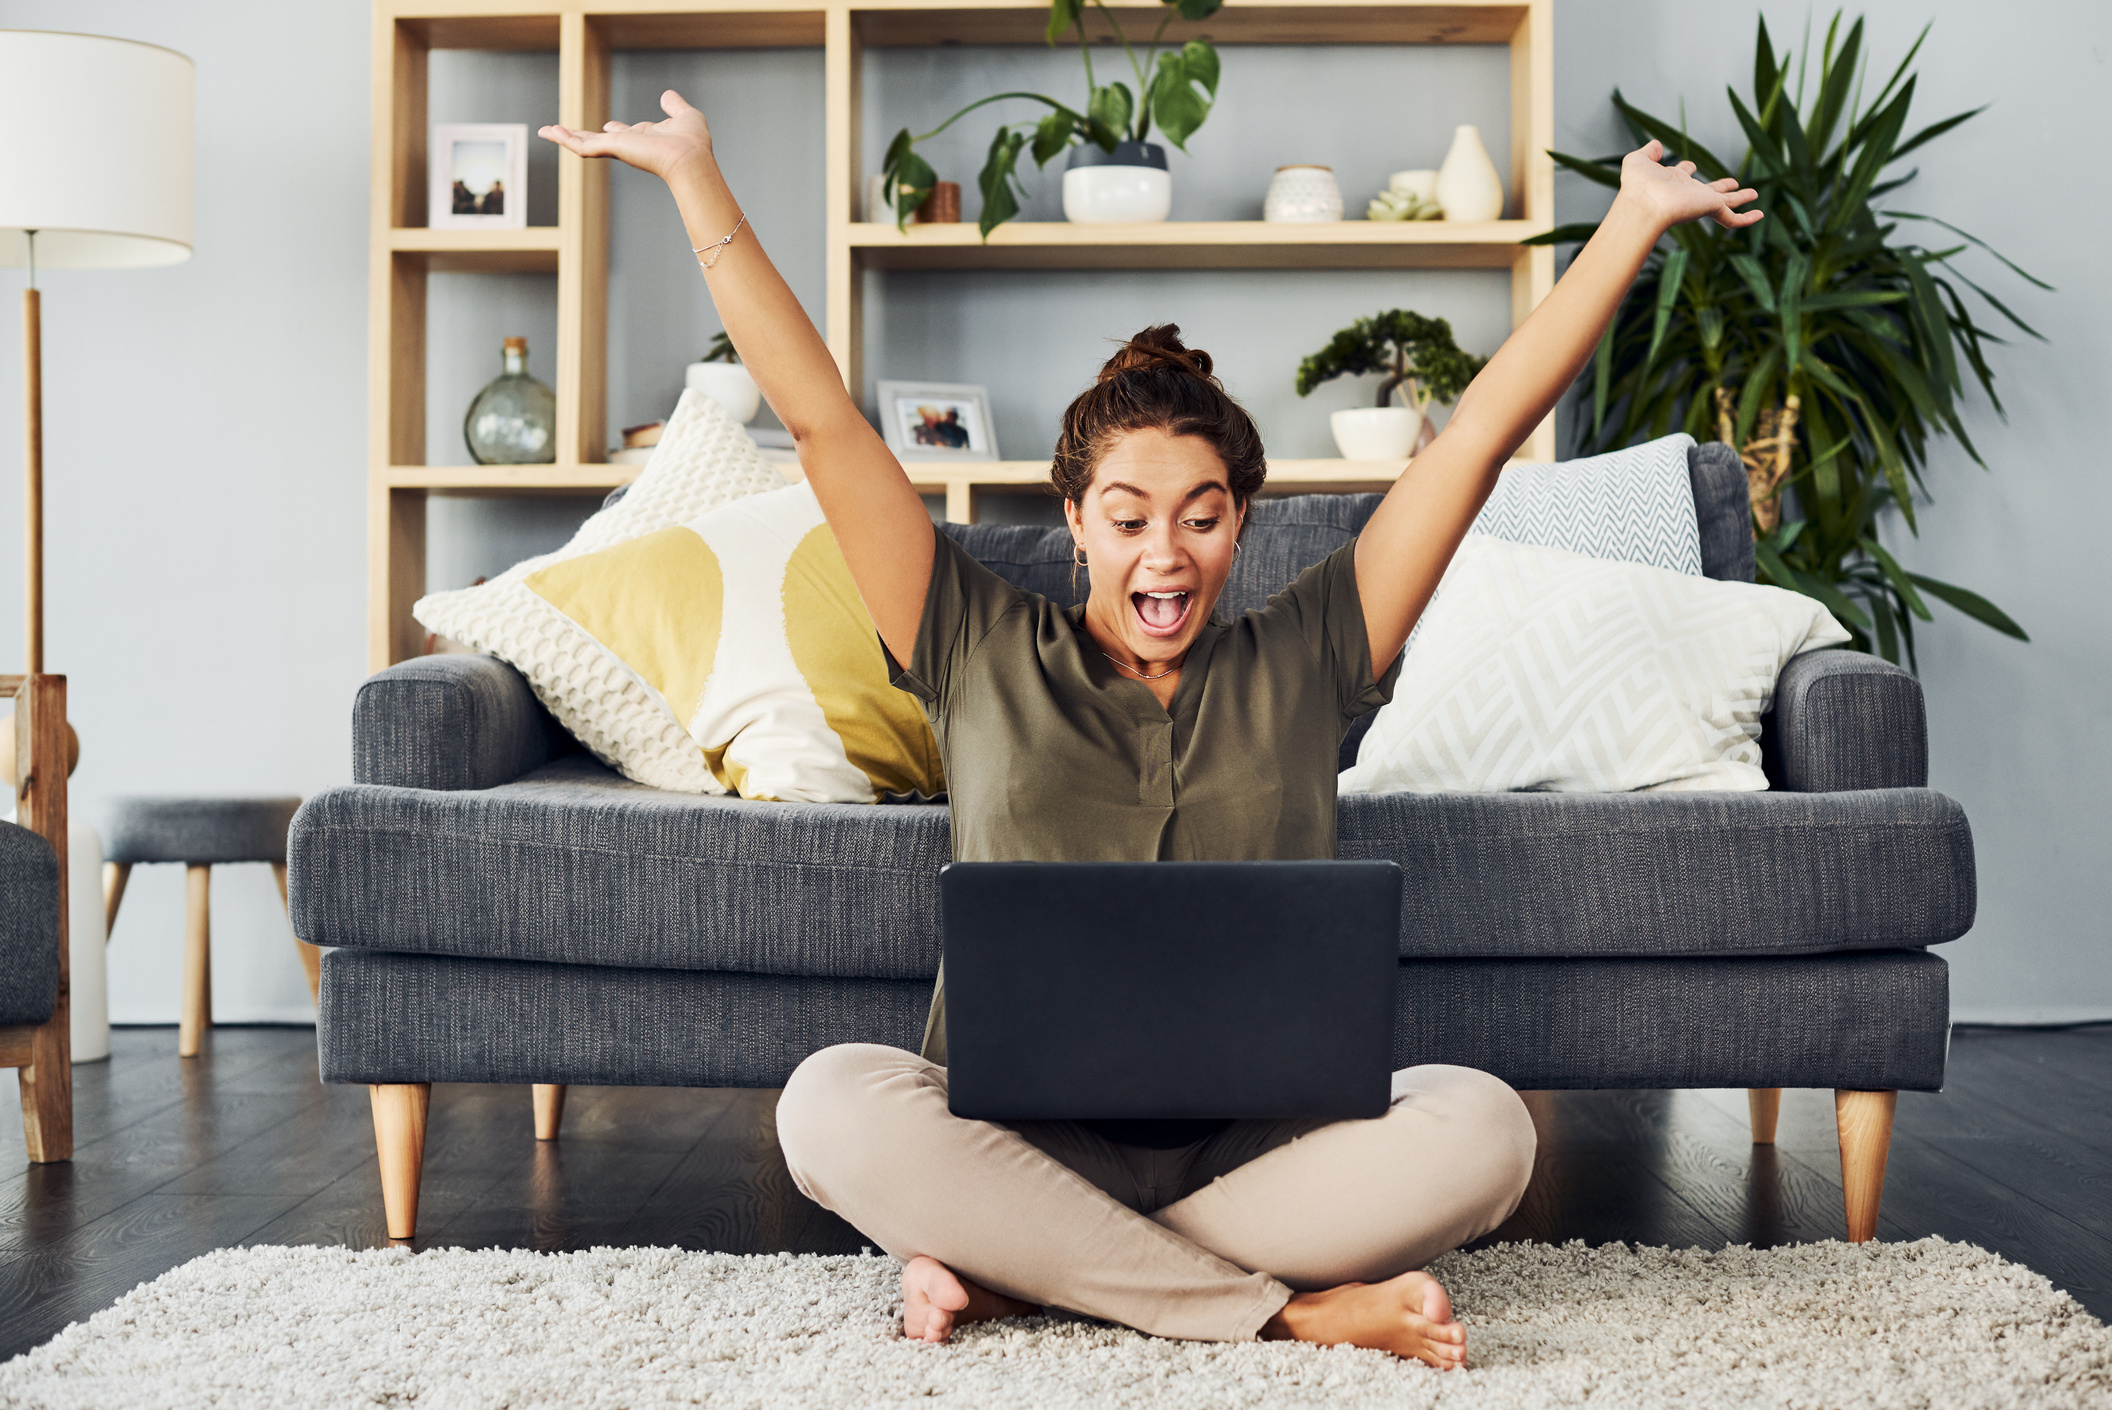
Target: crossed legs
x=1208, y=1242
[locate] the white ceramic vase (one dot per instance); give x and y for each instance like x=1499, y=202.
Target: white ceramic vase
x=1127, y=186
x=1467, y=184
x=728, y=384
x=1376, y=432
x=1303, y=195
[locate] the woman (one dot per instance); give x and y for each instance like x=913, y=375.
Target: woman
x=1136, y=728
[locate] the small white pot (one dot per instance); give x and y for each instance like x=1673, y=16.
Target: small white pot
x=1112, y=195
x=1303, y=195
x=728, y=384
x=1376, y=432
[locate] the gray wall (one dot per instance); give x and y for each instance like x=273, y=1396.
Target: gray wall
x=206, y=437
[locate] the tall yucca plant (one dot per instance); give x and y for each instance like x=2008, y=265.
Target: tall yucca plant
x=1827, y=349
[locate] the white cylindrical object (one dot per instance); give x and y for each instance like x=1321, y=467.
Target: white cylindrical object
x=1467, y=184
x=98, y=155
x=1304, y=195
x=1114, y=195
x=727, y=383
x=1421, y=183
x=1376, y=432
x=87, y=977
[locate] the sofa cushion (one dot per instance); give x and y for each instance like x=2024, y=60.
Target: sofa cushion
x=574, y=864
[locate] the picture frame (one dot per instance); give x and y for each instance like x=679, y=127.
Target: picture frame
x=474, y=166
x=926, y=421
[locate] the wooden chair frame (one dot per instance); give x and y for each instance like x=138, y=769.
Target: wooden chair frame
x=42, y=1053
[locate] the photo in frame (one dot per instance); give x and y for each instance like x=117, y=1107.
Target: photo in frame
x=937, y=421
x=479, y=176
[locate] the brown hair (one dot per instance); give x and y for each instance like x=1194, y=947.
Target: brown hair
x=1156, y=383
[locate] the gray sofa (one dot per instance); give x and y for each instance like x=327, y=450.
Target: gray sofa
x=499, y=907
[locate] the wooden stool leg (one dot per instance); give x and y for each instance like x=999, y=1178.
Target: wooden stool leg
x=549, y=1109
x=1765, y=1103
x=311, y=957
x=1865, y=1123
x=399, y=1140
x=115, y=875
x=197, y=960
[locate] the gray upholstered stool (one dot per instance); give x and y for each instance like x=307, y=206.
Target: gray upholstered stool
x=201, y=833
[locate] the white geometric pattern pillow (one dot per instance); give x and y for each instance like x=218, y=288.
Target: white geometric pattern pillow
x=1635, y=505
x=704, y=460
x=1541, y=669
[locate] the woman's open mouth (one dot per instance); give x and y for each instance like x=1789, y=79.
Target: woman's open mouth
x=1160, y=613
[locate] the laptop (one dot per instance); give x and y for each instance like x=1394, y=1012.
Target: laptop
x=1169, y=990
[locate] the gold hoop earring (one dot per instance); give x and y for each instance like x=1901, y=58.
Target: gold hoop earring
x=1077, y=556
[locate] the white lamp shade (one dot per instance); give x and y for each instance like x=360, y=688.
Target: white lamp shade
x=97, y=159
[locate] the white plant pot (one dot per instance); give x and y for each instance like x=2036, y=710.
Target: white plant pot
x=1302, y=195
x=1376, y=432
x=1467, y=184
x=1111, y=195
x=728, y=384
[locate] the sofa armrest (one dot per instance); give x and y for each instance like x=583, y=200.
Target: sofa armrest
x=1843, y=720
x=450, y=722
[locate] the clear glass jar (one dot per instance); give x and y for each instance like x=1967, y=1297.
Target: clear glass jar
x=513, y=421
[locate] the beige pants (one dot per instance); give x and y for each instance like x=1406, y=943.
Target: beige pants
x=1204, y=1242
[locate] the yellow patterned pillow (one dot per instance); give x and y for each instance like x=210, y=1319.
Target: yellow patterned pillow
x=746, y=628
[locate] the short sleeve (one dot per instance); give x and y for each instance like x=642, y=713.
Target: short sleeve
x=1323, y=606
x=965, y=600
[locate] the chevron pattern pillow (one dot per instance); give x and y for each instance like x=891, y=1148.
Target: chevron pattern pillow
x=1543, y=669
x=1635, y=505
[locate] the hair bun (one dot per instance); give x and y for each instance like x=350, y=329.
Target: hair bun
x=1155, y=347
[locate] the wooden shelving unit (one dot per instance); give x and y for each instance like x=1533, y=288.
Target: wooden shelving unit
x=584, y=33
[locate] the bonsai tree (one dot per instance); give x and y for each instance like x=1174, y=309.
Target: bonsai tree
x=1824, y=343
x=1414, y=353
x=1174, y=89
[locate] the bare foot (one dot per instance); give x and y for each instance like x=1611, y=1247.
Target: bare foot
x=1408, y=1316
x=934, y=1298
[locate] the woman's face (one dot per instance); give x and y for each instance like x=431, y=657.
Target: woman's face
x=1158, y=526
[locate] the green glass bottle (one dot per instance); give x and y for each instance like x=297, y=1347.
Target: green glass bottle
x=513, y=421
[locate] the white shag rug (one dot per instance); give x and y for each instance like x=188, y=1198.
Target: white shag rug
x=1923, y=1324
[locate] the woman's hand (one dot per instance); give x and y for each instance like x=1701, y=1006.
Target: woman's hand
x=1675, y=197
x=663, y=148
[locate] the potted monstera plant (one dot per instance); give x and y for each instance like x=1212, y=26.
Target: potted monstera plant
x=1826, y=343
x=1113, y=173
x=1416, y=357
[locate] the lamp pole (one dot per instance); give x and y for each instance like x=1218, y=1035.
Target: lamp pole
x=33, y=465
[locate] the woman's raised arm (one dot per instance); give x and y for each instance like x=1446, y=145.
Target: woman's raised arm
x=879, y=521
x=1413, y=534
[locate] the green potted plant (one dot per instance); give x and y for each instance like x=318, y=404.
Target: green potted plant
x=1415, y=356
x=1114, y=173
x=1824, y=342
x=720, y=376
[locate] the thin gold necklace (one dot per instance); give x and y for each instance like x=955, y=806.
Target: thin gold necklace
x=1139, y=674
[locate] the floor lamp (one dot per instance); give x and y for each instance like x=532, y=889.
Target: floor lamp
x=95, y=173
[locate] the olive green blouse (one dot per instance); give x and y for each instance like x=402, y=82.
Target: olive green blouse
x=1053, y=754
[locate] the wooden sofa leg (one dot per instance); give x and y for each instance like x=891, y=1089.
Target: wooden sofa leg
x=399, y=1140
x=1865, y=1123
x=115, y=875
x=311, y=957
x=197, y=1012
x=1765, y=1104
x=549, y=1109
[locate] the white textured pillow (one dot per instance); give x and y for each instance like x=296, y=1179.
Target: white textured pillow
x=1636, y=505
x=1548, y=670
x=703, y=460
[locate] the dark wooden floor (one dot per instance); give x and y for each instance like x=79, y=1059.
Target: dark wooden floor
x=245, y=1146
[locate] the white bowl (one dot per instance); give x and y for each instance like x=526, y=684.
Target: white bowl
x=1113, y=195
x=1376, y=432
x=728, y=384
